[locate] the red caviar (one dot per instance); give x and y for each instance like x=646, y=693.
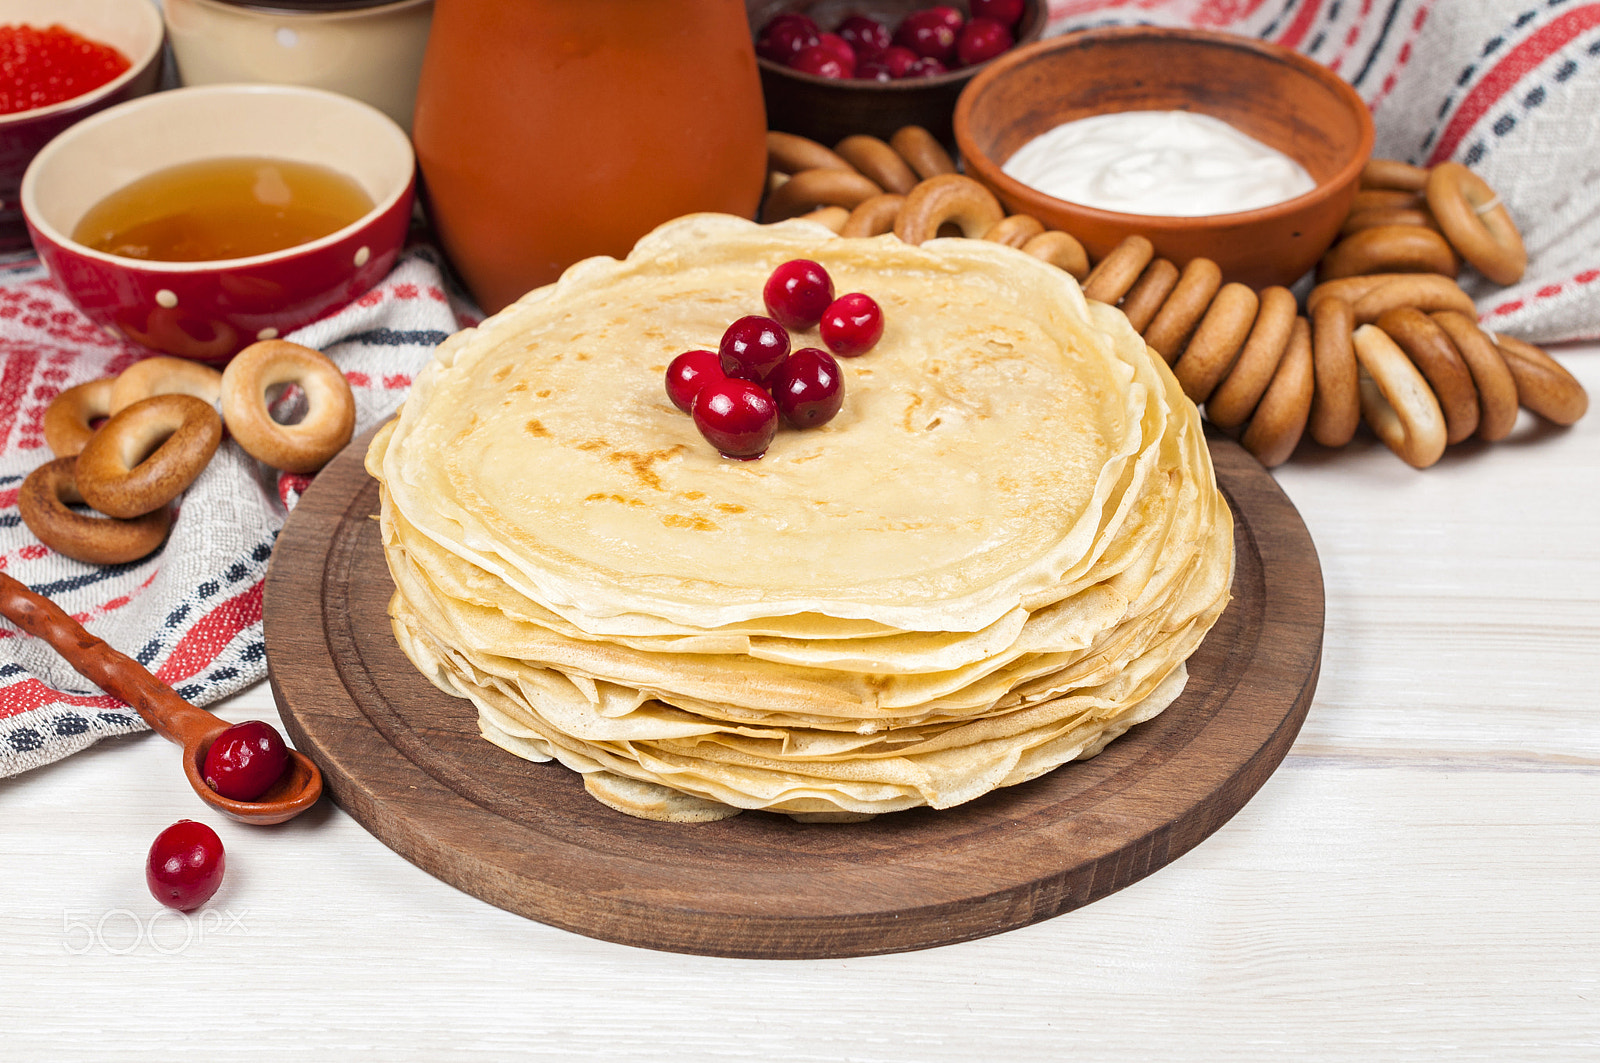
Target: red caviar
x=39, y=67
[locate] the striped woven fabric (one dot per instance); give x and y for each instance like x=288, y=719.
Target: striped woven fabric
x=191, y=612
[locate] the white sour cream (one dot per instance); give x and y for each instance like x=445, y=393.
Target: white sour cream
x=1172, y=163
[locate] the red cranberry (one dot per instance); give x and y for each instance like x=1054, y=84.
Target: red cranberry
x=808, y=388
x=1006, y=12
x=841, y=48
x=245, y=760
x=950, y=16
x=820, y=60
x=688, y=373
x=873, y=70
x=898, y=60
x=927, y=34
x=852, y=325
x=737, y=417
x=926, y=67
x=867, y=36
x=797, y=293
x=786, y=36
x=981, y=40
x=753, y=347
x=184, y=867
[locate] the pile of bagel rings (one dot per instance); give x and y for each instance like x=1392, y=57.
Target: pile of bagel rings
x=1386, y=336
x=161, y=428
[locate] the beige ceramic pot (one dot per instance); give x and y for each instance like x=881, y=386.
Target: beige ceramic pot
x=369, y=49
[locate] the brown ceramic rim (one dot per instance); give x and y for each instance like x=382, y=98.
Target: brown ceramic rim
x=1013, y=190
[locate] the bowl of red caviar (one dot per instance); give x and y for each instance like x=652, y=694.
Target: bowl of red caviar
x=199, y=220
x=61, y=61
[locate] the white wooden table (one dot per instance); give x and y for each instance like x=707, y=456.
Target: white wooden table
x=1417, y=881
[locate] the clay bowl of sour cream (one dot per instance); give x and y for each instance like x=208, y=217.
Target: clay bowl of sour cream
x=1190, y=138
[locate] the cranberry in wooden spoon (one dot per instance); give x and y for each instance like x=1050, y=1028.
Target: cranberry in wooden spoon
x=245, y=760
x=852, y=325
x=737, y=417
x=185, y=865
x=797, y=293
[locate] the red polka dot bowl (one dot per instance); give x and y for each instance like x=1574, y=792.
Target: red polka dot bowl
x=210, y=310
x=135, y=30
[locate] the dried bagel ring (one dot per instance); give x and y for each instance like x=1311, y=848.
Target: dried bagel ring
x=789, y=153
x=1425, y=291
x=1236, y=398
x=1497, y=388
x=1430, y=350
x=874, y=215
x=1181, y=313
x=810, y=189
x=1149, y=293
x=1371, y=219
x=144, y=457
x=1476, y=223
x=1394, y=174
x=948, y=198
x=307, y=445
x=69, y=419
x=43, y=500
x=1014, y=230
x=1543, y=384
x=1336, y=406
x=1395, y=400
x=1280, y=418
x=1113, y=275
x=879, y=161
x=1389, y=249
x=1217, y=341
x=1348, y=288
x=1374, y=198
x=1061, y=250
x=165, y=376
x=832, y=217
x=922, y=151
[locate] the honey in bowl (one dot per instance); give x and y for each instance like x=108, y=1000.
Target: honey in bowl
x=224, y=208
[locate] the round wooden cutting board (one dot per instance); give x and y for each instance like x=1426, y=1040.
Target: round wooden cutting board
x=408, y=763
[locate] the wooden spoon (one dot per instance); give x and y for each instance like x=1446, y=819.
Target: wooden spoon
x=170, y=716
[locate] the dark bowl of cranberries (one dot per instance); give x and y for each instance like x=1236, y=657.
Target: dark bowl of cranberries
x=832, y=68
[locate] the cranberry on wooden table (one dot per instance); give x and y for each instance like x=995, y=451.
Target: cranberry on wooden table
x=185, y=865
x=688, y=373
x=245, y=760
x=852, y=325
x=797, y=293
x=736, y=416
x=808, y=388
x=752, y=347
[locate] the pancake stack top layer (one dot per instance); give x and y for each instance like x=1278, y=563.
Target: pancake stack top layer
x=995, y=559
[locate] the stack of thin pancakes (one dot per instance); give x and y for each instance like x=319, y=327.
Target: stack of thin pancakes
x=994, y=560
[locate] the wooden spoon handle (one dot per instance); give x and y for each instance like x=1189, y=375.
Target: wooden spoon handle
x=116, y=673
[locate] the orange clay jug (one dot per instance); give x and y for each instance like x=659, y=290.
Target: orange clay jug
x=552, y=130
